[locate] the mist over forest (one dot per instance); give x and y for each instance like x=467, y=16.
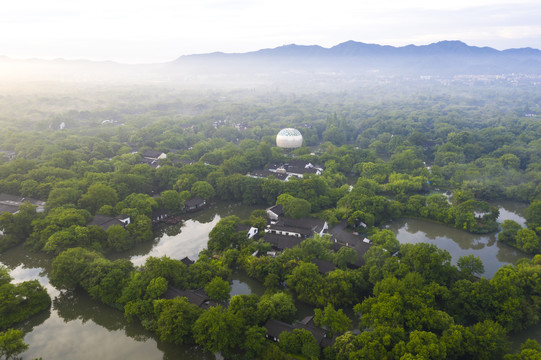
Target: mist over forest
x=296, y=67
x=439, y=133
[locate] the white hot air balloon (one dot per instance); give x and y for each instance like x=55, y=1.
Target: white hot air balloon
x=289, y=138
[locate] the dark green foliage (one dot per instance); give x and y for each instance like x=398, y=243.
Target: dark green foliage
x=529, y=350
x=416, y=304
x=176, y=318
x=509, y=231
x=300, y=342
x=533, y=215
x=11, y=344
x=224, y=234
x=335, y=321
x=219, y=330
x=218, y=289
x=470, y=266
x=20, y=301
x=17, y=227
x=96, y=196
x=295, y=208
x=280, y=306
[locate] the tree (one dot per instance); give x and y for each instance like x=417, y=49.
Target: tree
x=429, y=261
x=533, y=215
x=98, y=195
x=300, y=341
x=405, y=161
x=529, y=350
x=488, y=340
x=280, y=306
x=386, y=239
x=223, y=233
x=11, y=344
x=117, y=238
x=156, y=288
x=294, y=207
x=255, y=342
x=171, y=200
x=219, y=330
x=528, y=241
x=306, y=281
x=20, y=301
x=509, y=232
x=510, y=161
x=218, y=289
x=17, y=227
x=345, y=256
x=185, y=182
x=172, y=270
x=176, y=318
x=470, y=265
x=68, y=268
x=246, y=306
x=203, y=189
x=422, y=345
x=62, y=196
x=137, y=204
x=334, y=321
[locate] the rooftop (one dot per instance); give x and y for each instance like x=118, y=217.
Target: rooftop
x=282, y=242
x=196, y=200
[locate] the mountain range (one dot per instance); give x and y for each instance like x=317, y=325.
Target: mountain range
x=347, y=62
x=441, y=58
x=354, y=49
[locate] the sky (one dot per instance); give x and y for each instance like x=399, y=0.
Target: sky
x=144, y=31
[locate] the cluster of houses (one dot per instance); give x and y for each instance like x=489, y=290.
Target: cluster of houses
x=223, y=122
x=274, y=327
x=10, y=203
x=8, y=155
x=105, y=222
x=285, y=233
x=151, y=158
x=286, y=170
x=193, y=204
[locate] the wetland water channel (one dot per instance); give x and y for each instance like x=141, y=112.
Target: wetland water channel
x=79, y=327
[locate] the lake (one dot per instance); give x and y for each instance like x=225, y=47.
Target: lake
x=459, y=243
x=82, y=328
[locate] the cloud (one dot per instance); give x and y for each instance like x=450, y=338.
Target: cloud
x=165, y=29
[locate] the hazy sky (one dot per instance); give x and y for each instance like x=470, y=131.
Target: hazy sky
x=134, y=31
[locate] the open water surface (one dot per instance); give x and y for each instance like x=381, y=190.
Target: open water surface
x=459, y=243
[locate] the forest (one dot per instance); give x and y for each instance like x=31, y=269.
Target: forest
x=389, y=151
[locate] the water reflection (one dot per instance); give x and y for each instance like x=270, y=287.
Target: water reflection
x=78, y=326
x=186, y=238
x=512, y=210
x=459, y=243
x=189, y=242
x=242, y=284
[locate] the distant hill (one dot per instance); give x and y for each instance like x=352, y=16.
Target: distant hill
x=356, y=49
x=298, y=66
x=444, y=58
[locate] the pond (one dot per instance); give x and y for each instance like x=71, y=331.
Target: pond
x=186, y=238
x=79, y=327
x=459, y=243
